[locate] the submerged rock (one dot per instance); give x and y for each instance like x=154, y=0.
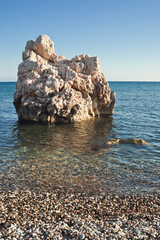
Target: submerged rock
x=51, y=88
x=126, y=141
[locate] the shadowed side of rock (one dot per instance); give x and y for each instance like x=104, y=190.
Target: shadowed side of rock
x=51, y=88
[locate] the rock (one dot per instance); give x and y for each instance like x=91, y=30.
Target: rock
x=51, y=88
x=82, y=236
x=116, y=228
x=126, y=141
x=80, y=223
x=137, y=231
x=121, y=234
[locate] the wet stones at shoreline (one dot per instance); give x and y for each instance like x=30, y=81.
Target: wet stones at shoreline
x=29, y=215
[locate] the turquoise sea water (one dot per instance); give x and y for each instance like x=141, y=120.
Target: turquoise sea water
x=75, y=157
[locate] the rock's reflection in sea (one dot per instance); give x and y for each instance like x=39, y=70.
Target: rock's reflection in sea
x=75, y=158
x=59, y=156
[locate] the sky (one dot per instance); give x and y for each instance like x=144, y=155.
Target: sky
x=124, y=34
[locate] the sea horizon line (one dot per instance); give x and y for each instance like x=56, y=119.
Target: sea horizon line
x=107, y=81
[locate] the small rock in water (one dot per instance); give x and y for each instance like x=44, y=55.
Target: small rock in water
x=126, y=141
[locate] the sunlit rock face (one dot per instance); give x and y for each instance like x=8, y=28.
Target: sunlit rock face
x=51, y=88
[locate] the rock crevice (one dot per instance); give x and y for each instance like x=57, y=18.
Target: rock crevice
x=51, y=88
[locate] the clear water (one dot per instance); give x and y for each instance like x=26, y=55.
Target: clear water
x=75, y=157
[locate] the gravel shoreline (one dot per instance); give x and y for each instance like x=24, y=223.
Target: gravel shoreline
x=30, y=215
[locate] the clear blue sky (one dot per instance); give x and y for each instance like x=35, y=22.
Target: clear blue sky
x=124, y=34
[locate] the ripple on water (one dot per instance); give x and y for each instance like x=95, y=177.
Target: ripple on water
x=75, y=156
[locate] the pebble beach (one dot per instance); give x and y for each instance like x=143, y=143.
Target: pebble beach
x=62, y=215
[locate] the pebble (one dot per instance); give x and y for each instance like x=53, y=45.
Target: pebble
x=80, y=223
x=82, y=236
x=116, y=229
x=121, y=233
x=136, y=231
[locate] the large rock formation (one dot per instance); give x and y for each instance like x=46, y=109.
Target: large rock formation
x=51, y=88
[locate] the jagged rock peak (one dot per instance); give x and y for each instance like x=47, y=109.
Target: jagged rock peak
x=51, y=88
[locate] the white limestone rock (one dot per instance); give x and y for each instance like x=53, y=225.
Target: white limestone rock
x=51, y=88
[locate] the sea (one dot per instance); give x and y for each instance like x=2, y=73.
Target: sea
x=75, y=157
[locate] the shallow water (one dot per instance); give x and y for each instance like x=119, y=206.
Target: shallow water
x=75, y=157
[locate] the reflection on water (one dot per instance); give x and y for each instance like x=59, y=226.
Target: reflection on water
x=59, y=156
x=75, y=158
x=78, y=138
